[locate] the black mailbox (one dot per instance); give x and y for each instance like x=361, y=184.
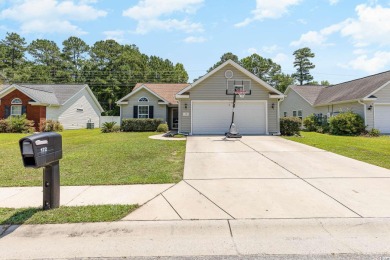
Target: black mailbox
x=41, y=149
x=45, y=150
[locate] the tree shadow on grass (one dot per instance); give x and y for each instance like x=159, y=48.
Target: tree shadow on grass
x=19, y=217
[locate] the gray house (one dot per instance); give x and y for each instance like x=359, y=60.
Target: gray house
x=369, y=97
x=205, y=107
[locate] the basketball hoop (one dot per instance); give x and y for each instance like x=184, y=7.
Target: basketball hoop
x=241, y=93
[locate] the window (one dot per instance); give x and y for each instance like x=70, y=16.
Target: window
x=300, y=114
x=143, y=99
x=285, y=114
x=143, y=111
x=294, y=113
x=16, y=108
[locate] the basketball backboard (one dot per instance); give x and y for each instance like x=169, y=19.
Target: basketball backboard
x=238, y=84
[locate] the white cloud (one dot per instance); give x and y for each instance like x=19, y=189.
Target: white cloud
x=333, y=2
x=193, y=39
x=252, y=51
x=281, y=58
x=268, y=9
x=372, y=26
x=149, y=15
x=116, y=35
x=270, y=49
x=374, y=64
x=302, y=21
x=51, y=16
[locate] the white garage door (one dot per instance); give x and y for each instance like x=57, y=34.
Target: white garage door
x=382, y=118
x=214, y=117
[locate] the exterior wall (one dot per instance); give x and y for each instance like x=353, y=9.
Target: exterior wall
x=294, y=102
x=383, y=97
x=35, y=113
x=352, y=106
x=104, y=119
x=70, y=115
x=160, y=111
x=214, y=88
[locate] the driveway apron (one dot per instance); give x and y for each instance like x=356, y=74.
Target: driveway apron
x=269, y=177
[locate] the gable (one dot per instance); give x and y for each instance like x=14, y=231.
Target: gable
x=142, y=93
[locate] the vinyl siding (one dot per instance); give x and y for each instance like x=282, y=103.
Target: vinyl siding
x=294, y=102
x=214, y=88
x=353, y=106
x=70, y=117
x=160, y=111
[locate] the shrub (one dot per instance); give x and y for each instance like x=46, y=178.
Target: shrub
x=110, y=127
x=317, y=123
x=290, y=125
x=19, y=124
x=310, y=123
x=374, y=132
x=3, y=125
x=162, y=128
x=347, y=123
x=140, y=125
x=50, y=126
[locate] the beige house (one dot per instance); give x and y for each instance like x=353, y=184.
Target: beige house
x=369, y=97
x=205, y=107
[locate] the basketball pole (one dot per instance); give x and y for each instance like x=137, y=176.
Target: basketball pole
x=233, y=132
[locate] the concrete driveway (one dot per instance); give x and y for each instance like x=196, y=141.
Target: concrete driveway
x=269, y=177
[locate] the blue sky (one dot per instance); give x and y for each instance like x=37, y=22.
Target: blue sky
x=351, y=38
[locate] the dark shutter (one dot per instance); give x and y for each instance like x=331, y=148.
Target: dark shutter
x=151, y=112
x=135, y=112
x=7, y=112
x=24, y=110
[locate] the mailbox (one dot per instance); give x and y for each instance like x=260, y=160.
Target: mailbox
x=45, y=150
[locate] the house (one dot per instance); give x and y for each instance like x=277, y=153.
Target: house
x=205, y=107
x=72, y=105
x=369, y=97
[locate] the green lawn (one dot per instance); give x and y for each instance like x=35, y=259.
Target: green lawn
x=101, y=213
x=94, y=158
x=374, y=150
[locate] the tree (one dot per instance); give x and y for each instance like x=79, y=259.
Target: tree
x=225, y=57
x=283, y=81
x=303, y=65
x=12, y=50
x=74, y=53
x=180, y=75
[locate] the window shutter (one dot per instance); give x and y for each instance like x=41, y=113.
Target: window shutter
x=7, y=112
x=24, y=110
x=135, y=112
x=151, y=112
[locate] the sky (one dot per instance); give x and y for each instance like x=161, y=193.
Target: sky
x=350, y=38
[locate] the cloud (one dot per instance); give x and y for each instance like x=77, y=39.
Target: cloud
x=268, y=9
x=372, y=26
x=150, y=15
x=50, y=16
x=252, y=51
x=333, y=2
x=270, y=49
x=116, y=35
x=374, y=64
x=281, y=58
x=193, y=39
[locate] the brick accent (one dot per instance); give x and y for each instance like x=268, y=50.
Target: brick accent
x=35, y=113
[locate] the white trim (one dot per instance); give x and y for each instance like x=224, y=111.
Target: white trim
x=276, y=96
x=18, y=106
x=173, y=108
x=238, y=67
x=378, y=89
x=20, y=102
x=180, y=116
x=147, y=99
x=142, y=114
x=139, y=89
x=33, y=103
x=122, y=103
x=365, y=112
x=177, y=96
x=229, y=101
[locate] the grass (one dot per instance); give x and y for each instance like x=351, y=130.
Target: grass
x=95, y=158
x=373, y=150
x=101, y=213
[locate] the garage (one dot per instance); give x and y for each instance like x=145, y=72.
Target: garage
x=214, y=117
x=382, y=118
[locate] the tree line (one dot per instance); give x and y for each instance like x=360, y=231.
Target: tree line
x=112, y=69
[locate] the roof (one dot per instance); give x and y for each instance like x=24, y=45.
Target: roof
x=165, y=91
x=238, y=67
x=51, y=94
x=347, y=91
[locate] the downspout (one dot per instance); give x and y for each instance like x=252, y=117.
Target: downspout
x=365, y=111
x=278, y=116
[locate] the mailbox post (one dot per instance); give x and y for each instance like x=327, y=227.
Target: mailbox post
x=45, y=150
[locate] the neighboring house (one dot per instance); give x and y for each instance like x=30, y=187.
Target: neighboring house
x=150, y=100
x=369, y=97
x=72, y=105
x=205, y=107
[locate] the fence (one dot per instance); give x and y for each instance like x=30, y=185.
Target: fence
x=104, y=119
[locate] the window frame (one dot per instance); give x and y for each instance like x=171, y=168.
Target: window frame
x=12, y=112
x=301, y=113
x=284, y=114
x=143, y=114
x=294, y=113
x=147, y=99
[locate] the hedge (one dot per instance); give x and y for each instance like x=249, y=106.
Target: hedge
x=290, y=125
x=140, y=125
x=347, y=123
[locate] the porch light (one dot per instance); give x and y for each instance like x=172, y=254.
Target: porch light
x=273, y=105
x=185, y=105
x=369, y=107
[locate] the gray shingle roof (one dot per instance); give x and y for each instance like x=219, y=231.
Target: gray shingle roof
x=350, y=90
x=50, y=93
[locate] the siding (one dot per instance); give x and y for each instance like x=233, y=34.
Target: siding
x=383, y=96
x=160, y=111
x=214, y=88
x=70, y=117
x=294, y=102
x=353, y=106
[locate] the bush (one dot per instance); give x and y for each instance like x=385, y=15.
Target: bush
x=18, y=124
x=50, y=126
x=3, y=125
x=316, y=123
x=310, y=123
x=110, y=127
x=374, y=132
x=347, y=123
x=162, y=128
x=290, y=125
x=140, y=125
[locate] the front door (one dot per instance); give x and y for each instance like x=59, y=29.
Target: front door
x=174, y=118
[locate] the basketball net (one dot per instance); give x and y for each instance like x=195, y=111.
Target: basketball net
x=241, y=93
